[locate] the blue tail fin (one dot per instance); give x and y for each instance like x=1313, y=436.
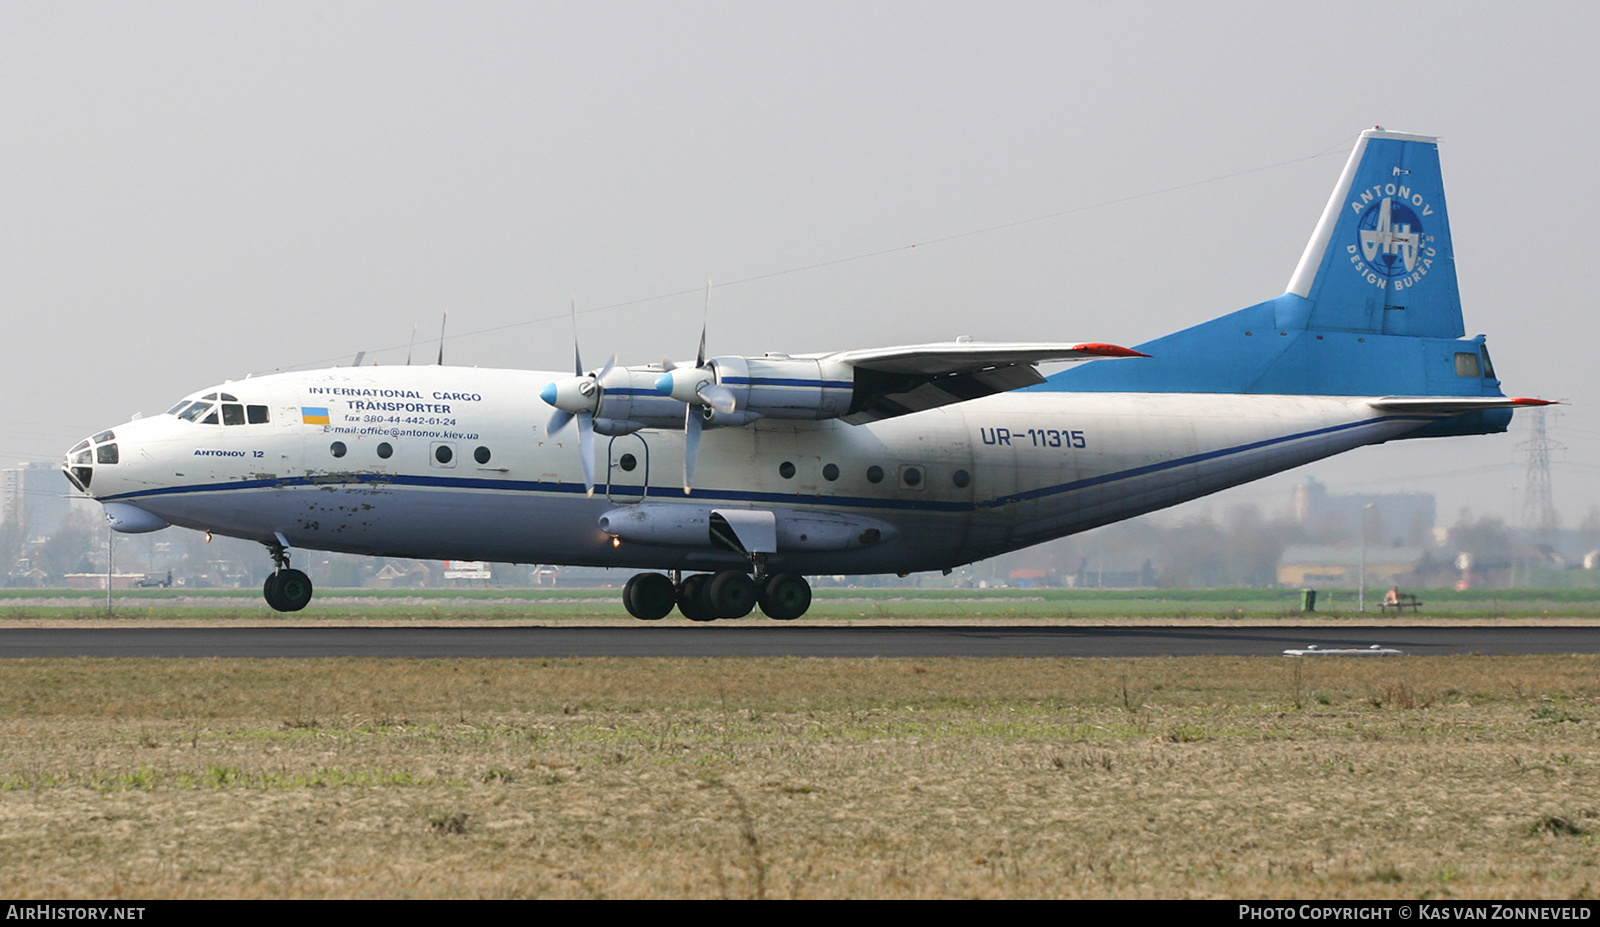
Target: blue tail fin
x=1372, y=309
x=1381, y=259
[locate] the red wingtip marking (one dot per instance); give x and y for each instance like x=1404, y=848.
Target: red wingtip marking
x=1535, y=402
x=1109, y=350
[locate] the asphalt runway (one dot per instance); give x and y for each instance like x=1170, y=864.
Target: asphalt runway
x=714, y=640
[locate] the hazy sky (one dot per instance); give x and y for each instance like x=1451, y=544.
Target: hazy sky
x=196, y=191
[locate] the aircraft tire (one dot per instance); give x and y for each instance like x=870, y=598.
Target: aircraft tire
x=294, y=591
x=785, y=597
x=692, y=598
x=649, y=596
x=269, y=591
x=732, y=594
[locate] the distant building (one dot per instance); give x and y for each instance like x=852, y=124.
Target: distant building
x=34, y=496
x=1306, y=565
x=1396, y=517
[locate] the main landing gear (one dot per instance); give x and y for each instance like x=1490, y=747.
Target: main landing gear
x=285, y=590
x=709, y=596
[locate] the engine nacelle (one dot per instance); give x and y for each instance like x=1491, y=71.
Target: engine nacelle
x=770, y=386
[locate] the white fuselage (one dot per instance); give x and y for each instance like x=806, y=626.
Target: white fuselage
x=471, y=475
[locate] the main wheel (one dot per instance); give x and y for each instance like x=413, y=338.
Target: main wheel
x=732, y=594
x=692, y=598
x=293, y=590
x=786, y=596
x=649, y=596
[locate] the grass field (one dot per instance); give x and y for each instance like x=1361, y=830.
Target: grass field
x=1461, y=777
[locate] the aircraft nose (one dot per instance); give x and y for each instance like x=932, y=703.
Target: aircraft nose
x=86, y=455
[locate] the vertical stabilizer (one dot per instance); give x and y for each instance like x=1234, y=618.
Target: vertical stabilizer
x=1372, y=308
x=1381, y=259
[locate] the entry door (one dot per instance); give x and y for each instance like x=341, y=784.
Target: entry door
x=627, y=469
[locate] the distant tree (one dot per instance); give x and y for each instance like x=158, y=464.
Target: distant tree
x=1486, y=538
x=69, y=549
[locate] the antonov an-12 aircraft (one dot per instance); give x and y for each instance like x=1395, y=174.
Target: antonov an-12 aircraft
x=727, y=480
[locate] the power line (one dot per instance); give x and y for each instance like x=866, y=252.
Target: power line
x=1334, y=148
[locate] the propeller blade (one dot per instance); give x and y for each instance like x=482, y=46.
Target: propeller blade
x=705, y=322
x=717, y=397
x=691, y=446
x=577, y=359
x=586, y=448
x=557, y=422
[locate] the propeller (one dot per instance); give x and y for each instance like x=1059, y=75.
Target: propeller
x=695, y=386
x=578, y=397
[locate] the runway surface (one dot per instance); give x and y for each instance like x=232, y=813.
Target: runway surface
x=781, y=640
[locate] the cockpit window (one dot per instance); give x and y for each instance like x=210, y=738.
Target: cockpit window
x=193, y=413
x=177, y=408
x=228, y=398
x=103, y=436
x=257, y=414
x=106, y=454
x=210, y=419
x=79, y=446
x=1488, y=365
x=232, y=413
x=209, y=396
x=84, y=456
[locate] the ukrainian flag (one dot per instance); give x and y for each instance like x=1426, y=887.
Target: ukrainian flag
x=314, y=415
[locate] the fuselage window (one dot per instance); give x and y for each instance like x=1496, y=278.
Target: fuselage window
x=256, y=415
x=911, y=477
x=1467, y=365
x=874, y=474
x=443, y=454
x=106, y=454
x=481, y=455
x=627, y=462
x=232, y=413
x=337, y=448
x=961, y=478
x=830, y=472
x=786, y=470
x=385, y=450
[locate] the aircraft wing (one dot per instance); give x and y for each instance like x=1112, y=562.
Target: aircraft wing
x=952, y=357
x=1445, y=406
x=896, y=381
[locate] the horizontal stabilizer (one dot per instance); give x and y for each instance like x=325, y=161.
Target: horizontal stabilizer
x=1452, y=405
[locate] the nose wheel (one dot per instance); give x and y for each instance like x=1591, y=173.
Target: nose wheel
x=286, y=590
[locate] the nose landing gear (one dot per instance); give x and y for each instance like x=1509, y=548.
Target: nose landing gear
x=286, y=590
x=709, y=596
